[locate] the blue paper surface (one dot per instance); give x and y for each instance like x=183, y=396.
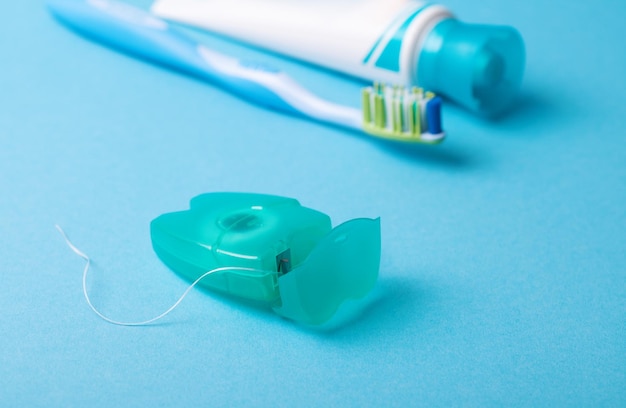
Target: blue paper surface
x=503, y=275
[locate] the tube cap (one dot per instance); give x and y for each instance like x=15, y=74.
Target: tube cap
x=478, y=66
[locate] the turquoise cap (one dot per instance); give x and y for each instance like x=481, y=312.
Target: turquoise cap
x=478, y=66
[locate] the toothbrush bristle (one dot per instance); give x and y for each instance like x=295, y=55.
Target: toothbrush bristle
x=405, y=114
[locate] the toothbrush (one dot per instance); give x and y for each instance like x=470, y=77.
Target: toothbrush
x=393, y=113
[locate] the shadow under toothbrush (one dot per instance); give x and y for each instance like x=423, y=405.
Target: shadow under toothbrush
x=447, y=154
x=534, y=113
x=444, y=155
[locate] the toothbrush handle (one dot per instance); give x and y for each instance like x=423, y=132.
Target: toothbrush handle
x=130, y=30
x=136, y=32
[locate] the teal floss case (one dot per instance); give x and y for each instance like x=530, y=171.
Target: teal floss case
x=271, y=250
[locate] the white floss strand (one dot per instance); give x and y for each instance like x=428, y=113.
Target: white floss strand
x=143, y=323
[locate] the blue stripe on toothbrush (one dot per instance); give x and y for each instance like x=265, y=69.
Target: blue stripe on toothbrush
x=129, y=30
x=252, y=92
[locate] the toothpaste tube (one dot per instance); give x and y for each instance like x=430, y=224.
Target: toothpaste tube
x=402, y=42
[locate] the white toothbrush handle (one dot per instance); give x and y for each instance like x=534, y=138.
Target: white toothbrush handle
x=139, y=33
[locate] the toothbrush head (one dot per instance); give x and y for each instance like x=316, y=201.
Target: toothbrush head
x=402, y=114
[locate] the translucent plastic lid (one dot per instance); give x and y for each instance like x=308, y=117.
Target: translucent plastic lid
x=478, y=66
x=342, y=266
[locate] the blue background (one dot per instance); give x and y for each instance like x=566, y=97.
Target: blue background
x=503, y=275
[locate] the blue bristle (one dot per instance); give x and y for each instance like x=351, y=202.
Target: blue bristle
x=433, y=116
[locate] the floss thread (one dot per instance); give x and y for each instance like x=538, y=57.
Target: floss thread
x=145, y=322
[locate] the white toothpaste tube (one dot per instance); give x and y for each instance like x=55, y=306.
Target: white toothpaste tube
x=401, y=42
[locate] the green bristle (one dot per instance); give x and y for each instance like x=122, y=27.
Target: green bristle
x=379, y=111
x=397, y=117
x=367, y=113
